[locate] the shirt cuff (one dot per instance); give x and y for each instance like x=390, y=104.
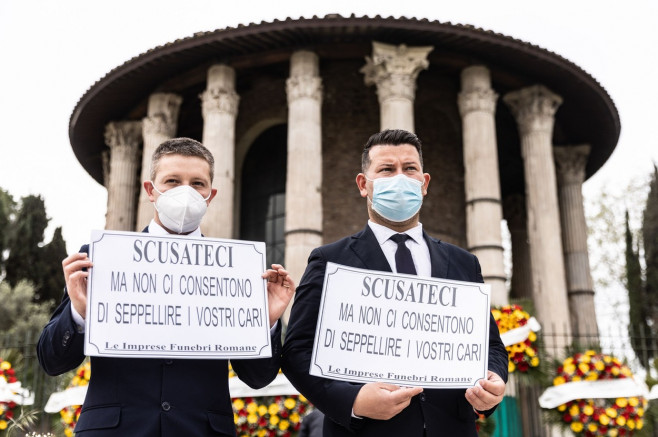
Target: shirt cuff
x=79, y=321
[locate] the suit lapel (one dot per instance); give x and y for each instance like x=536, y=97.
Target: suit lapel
x=367, y=249
x=438, y=257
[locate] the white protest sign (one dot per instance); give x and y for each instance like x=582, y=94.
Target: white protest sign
x=176, y=297
x=407, y=330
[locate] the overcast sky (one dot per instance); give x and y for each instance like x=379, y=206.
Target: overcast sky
x=53, y=51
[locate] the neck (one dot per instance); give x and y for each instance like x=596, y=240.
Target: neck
x=394, y=226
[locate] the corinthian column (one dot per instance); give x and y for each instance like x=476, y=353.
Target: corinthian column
x=477, y=106
x=158, y=126
x=534, y=108
x=394, y=70
x=570, y=164
x=304, y=174
x=220, y=109
x=124, y=139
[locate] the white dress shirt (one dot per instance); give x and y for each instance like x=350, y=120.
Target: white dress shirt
x=420, y=253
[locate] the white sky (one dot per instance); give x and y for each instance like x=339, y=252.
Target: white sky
x=52, y=51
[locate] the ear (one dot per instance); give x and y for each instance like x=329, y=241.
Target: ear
x=213, y=193
x=148, y=186
x=426, y=183
x=361, y=183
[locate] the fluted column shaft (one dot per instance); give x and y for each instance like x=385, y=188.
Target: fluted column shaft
x=124, y=139
x=534, y=108
x=159, y=125
x=570, y=165
x=394, y=70
x=477, y=106
x=304, y=174
x=220, y=110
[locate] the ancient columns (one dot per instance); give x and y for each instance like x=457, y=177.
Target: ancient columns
x=394, y=70
x=220, y=109
x=477, y=106
x=124, y=139
x=304, y=174
x=534, y=108
x=570, y=163
x=158, y=126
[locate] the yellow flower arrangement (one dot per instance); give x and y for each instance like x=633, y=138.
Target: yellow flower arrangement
x=595, y=417
x=269, y=416
x=6, y=408
x=69, y=415
x=522, y=356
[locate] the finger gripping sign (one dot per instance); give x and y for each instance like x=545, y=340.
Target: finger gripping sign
x=176, y=297
x=403, y=329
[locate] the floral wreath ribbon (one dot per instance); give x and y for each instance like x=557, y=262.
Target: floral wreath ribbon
x=557, y=395
x=520, y=334
x=13, y=392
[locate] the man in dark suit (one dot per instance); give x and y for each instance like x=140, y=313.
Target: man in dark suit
x=393, y=182
x=149, y=396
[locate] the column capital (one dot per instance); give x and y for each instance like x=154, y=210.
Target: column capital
x=534, y=108
x=304, y=80
x=476, y=93
x=394, y=69
x=126, y=134
x=162, y=114
x=570, y=163
x=220, y=95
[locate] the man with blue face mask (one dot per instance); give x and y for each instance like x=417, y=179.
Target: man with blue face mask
x=393, y=183
x=148, y=396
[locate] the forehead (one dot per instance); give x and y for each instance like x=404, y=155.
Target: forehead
x=191, y=166
x=399, y=153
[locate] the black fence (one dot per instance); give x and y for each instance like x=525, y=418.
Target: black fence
x=21, y=353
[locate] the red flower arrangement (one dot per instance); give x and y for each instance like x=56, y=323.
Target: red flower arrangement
x=594, y=417
x=523, y=355
x=6, y=408
x=269, y=416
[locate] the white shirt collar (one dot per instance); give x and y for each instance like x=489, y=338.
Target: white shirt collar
x=382, y=233
x=156, y=229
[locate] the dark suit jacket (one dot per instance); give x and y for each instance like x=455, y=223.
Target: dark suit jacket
x=150, y=396
x=443, y=412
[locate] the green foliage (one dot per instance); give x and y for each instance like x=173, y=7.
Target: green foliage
x=650, y=240
x=638, y=329
x=19, y=314
x=7, y=212
x=23, y=256
x=50, y=276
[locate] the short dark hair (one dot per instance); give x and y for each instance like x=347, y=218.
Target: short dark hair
x=185, y=147
x=390, y=137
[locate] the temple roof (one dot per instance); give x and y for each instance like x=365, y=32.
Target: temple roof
x=588, y=114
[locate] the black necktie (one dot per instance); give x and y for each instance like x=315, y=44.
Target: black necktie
x=403, y=261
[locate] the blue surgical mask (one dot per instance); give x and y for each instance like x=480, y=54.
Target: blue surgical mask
x=396, y=198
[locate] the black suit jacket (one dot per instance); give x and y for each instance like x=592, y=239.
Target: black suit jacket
x=150, y=396
x=439, y=412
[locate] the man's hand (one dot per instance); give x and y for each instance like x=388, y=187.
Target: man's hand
x=76, y=280
x=280, y=289
x=487, y=393
x=378, y=400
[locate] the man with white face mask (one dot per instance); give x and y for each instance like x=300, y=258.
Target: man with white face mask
x=393, y=183
x=150, y=396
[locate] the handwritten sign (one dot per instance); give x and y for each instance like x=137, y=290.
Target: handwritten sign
x=402, y=329
x=176, y=297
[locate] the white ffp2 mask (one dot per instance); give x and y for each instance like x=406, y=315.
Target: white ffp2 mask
x=180, y=209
